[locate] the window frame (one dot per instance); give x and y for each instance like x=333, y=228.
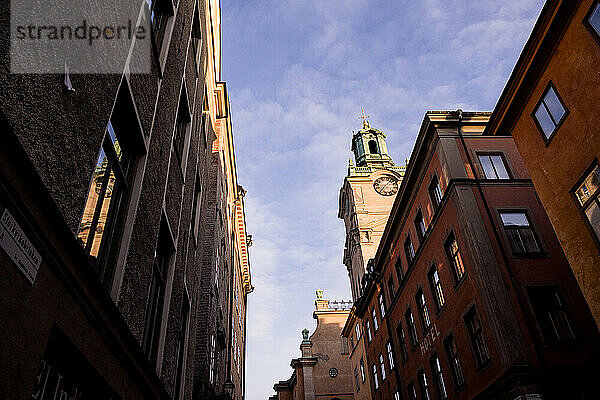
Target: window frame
x=438, y=376
x=423, y=384
x=402, y=340
x=424, y=314
x=167, y=10
x=362, y=370
x=453, y=355
x=408, y=244
x=531, y=226
x=451, y=257
x=557, y=125
x=382, y=366
x=381, y=302
x=411, y=328
x=437, y=289
x=482, y=359
x=568, y=316
x=586, y=21
x=375, y=322
x=504, y=160
x=155, y=306
x=420, y=226
x=390, y=354
x=375, y=376
x=594, y=197
x=433, y=191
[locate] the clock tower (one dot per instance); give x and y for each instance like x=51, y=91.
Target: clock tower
x=366, y=199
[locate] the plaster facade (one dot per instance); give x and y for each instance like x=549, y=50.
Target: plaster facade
x=562, y=51
x=323, y=370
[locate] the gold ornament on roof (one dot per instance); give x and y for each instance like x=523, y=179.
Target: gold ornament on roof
x=364, y=117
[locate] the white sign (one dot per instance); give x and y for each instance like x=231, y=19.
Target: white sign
x=18, y=247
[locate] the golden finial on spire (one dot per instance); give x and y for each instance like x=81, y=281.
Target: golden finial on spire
x=364, y=117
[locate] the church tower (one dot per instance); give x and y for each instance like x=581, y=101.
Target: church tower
x=366, y=199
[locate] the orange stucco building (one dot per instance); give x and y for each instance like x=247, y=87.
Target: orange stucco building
x=549, y=106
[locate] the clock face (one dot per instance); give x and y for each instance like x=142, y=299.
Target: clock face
x=386, y=185
x=333, y=372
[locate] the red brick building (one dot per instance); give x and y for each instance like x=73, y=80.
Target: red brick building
x=469, y=295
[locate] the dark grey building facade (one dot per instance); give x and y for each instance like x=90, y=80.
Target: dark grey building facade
x=110, y=207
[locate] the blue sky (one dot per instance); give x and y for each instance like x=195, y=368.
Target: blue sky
x=298, y=73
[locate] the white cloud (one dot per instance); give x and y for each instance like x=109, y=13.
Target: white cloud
x=298, y=72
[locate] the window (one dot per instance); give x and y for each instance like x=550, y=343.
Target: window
x=454, y=360
x=368, y=329
x=181, y=336
x=409, y=250
x=435, y=193
x=423, y=385
x=412, y=393
x=373, y=147
x=391, y=288
x=154, y=309
x=102, y=215
x=551, y=314
x=455, y=258
x=183, y=119
x=475, y=330
x=196, y=207
x=493, y=166
x=196, y=37
x=398, y=266
x=420, y=226
x=550, y=112
x=362, y=370
x=356, y=381
x=438, y=376
x=357, y=330
x=352, y=342
x=588, y=196
x=159, y=12
x=211, y=366
x=381, y=305
x=423, y=311
x=402, y=341
x=382, y=366
x=412, y=329
x=593, y=19
x=375, y=377
x=397, y=394
x=375, y=323
x=436, y=287
x=390, y=353
x=520, y=235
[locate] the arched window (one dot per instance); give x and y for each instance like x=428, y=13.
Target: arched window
x=373, y=147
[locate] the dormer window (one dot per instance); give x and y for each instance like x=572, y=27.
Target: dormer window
x=373, y=149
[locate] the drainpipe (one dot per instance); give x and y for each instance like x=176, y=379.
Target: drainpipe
x=503, y=251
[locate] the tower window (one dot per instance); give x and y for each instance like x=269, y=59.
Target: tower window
x=373, y=148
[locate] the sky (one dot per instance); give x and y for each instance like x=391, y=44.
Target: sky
x=298, y=73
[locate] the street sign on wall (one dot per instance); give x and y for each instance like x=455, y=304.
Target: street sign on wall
x=18, y=247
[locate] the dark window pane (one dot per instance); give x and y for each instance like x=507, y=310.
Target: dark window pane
x=543, y=118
